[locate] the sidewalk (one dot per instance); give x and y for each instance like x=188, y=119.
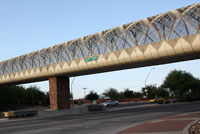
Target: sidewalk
x=178, y=124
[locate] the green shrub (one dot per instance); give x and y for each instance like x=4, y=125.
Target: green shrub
x=81, y=103
x=160, y=101
x=167, y=101
x=181, y=100
x=174, y=101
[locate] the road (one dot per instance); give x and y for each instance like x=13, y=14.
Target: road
x=103, y=122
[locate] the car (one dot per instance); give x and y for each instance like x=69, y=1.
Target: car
x=110, y=103
x=152, y=100
x=156, y=99
x=160, y=99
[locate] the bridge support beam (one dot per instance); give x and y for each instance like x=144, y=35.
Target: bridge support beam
x=59, y=93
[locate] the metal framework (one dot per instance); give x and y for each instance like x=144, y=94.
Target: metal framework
x=175, y=24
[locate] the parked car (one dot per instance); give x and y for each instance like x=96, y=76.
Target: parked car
x=110, y=103
x=156, y=99
x=152, y=100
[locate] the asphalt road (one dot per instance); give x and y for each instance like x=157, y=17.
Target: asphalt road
x=104, y=122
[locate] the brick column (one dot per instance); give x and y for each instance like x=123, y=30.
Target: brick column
x=59, y=93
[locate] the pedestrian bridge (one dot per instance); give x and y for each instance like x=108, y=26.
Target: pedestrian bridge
x=168, y=37
x=165, y=38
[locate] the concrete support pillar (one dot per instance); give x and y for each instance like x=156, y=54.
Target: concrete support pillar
x=59, y=93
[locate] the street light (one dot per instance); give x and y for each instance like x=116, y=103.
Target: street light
x=84, y=93
x=148, y=75
x=72, y=91
x=146, y=80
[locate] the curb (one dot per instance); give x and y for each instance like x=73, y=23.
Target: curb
x=186, y=129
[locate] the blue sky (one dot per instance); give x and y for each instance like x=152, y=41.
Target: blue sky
x=30, y=25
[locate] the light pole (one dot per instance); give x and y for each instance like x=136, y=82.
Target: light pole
x=84, y=93
x=148, y=75
x=146, y=80
x=72, y=91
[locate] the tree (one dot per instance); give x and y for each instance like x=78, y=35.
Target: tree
x=11, y=97
x=183, y=85
x=71, y=96
x=194, y=92
x=128, y=93
x=92, y=96
x=112, y=93
x=150, y=91
x=137, y=95
x=14, y=97
x=46, y=99
x=162, y=92
x=34, y=96
x=121, y=95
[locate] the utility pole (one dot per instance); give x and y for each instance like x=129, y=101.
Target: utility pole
x=84, y=93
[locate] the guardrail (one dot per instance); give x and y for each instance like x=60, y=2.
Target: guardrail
x=20, y=113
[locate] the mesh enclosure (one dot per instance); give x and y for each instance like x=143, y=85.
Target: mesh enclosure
x=174, y=24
